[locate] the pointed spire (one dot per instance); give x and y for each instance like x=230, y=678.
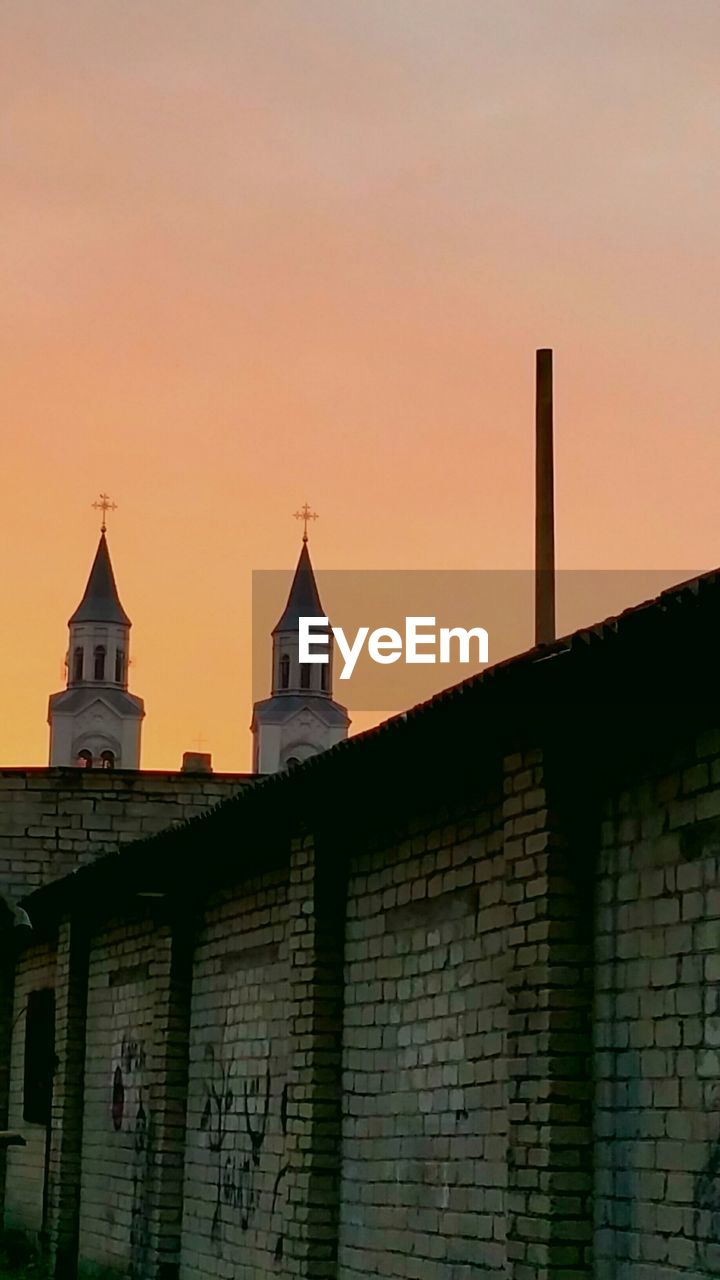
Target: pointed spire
x=304, y=599
x=101, y=602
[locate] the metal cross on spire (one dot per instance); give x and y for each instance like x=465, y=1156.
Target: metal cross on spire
x=104, y=504
x=305, y=514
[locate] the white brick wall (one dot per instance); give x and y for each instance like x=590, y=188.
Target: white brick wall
x=52, y=820
x=657, y=1027
x=233, y=1221
x=425, y=1118
x=128, y=963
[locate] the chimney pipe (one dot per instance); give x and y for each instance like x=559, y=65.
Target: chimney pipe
x=544, y=500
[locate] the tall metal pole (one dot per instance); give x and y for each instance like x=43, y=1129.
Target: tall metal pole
x=544, y=500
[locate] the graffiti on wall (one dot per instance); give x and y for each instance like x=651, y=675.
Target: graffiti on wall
x=141, y=1197
x=707, y=1206
x=130, y=1114
x=128, y=1070
x=235, y=1120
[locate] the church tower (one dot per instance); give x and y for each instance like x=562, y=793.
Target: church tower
x=95, y=722
x=300, y=718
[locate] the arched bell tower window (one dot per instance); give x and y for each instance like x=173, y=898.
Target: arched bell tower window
x=100, y=662
x=119, y=665
x=84, y=759
x=107, y=760
x=285, y=671
x=305, y=675
x=324, y=677
x=78, y=663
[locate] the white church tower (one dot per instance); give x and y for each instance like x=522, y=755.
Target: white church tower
x=95, y=722
x=300, y=718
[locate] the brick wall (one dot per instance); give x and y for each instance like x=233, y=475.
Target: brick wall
x=125, y=1025
x=52, y=820
x=235, y=1155
x=487, y=1044
x=424, y=1069
x=657, y=1028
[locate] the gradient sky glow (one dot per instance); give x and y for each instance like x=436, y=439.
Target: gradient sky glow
x=258, y=251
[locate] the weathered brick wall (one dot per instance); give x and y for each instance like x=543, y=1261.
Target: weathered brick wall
x=429, y=1003
x=425, y=1107
x=52, y=820
x=235, y=1157
x=128, y=964
x=26, y=1164
x=376, y=987
x=549, y=855
x=657, y=1024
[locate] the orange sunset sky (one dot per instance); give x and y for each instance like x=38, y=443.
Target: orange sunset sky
x=260, y=251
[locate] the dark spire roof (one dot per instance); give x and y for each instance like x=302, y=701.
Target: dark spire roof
x=303, y=601
x=101, y=602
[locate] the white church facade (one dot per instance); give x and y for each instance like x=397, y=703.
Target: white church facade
x=300, y=718
x=96, y=722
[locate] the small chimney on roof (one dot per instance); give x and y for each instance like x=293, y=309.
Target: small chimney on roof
x=544, y=500
x=197, y=762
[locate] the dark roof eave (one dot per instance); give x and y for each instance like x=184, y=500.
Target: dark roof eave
x=492, y=684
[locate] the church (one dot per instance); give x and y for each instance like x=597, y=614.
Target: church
x=96, y=722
